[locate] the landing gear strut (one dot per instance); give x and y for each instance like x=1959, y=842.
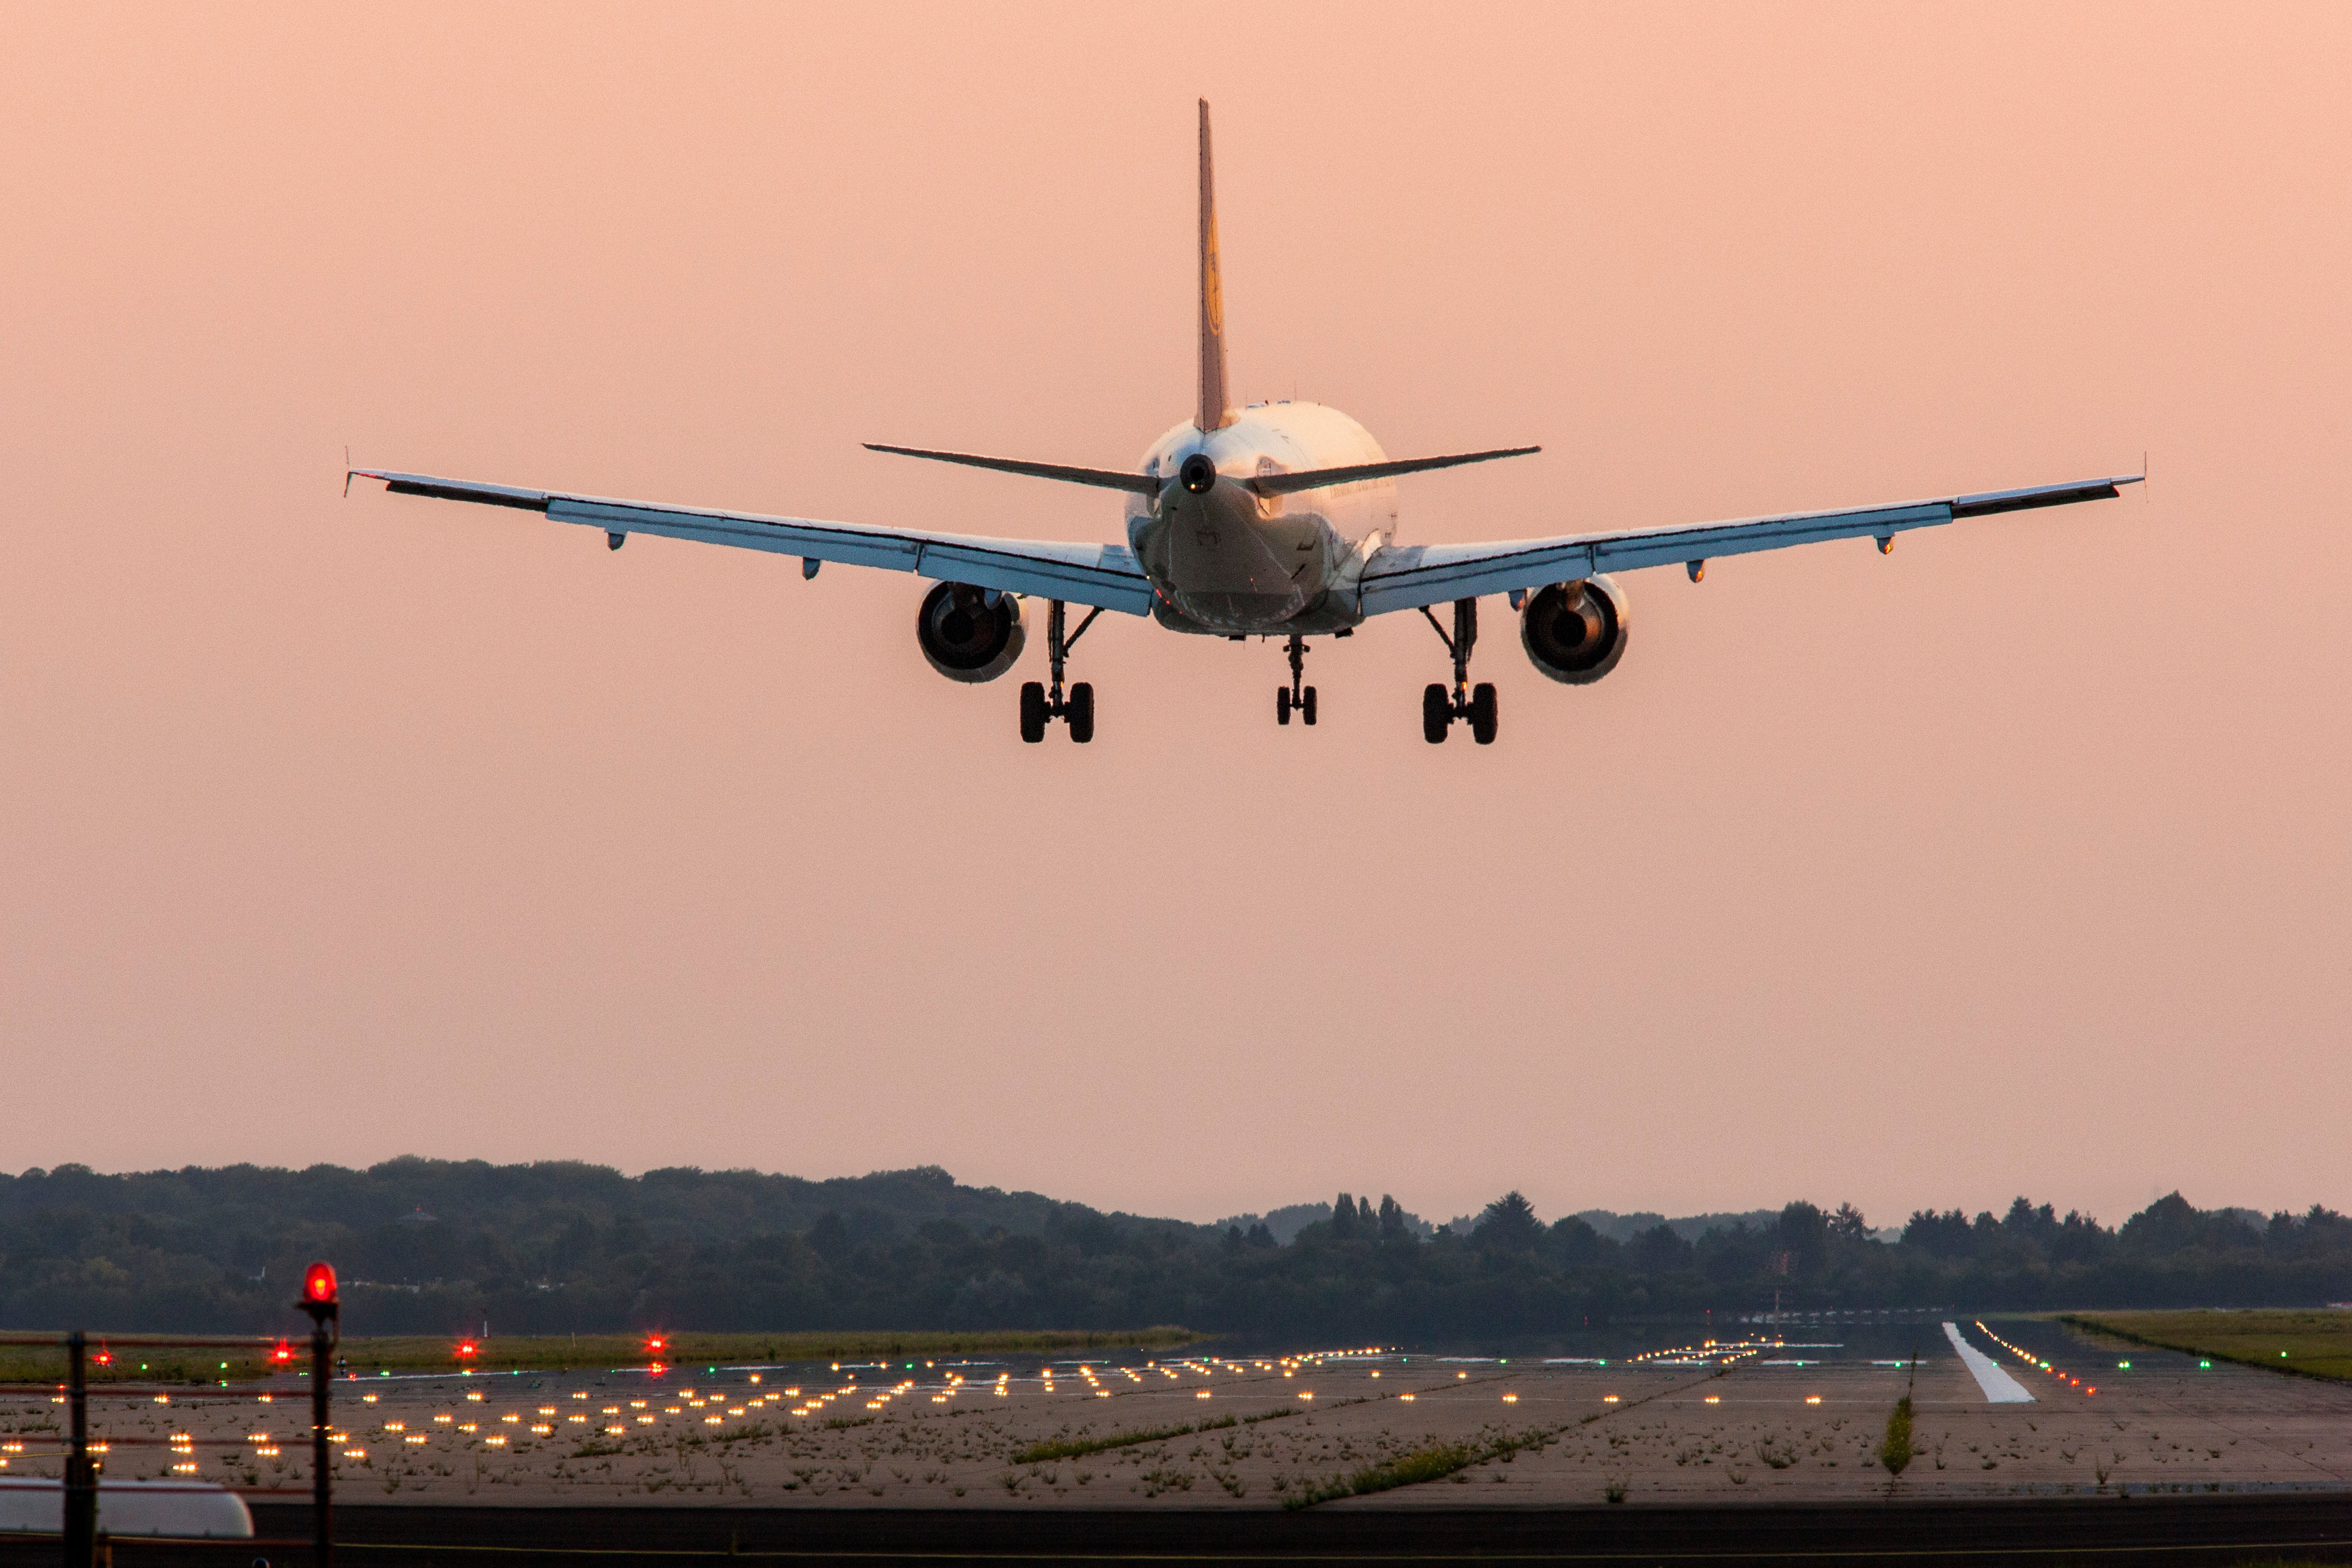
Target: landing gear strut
x=1295, y=696
x=1439, y=707
x=1038, y=705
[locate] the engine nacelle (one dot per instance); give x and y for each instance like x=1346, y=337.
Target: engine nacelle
x=1575, y=632
x=965, y=637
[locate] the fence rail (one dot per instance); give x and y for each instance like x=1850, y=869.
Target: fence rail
x=79, y=1532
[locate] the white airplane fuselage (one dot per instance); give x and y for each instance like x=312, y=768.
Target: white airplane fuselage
x=1229, y=562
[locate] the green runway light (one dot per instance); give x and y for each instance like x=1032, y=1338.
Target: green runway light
x=2207, y=1364
x=2125, y=1364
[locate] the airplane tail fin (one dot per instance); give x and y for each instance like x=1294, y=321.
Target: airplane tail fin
x=1215, y=412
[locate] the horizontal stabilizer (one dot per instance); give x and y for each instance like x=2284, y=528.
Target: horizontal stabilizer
x=1317, y=478
x=1102, y=478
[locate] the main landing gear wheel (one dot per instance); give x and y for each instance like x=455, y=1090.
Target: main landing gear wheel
x=1436, y=713
x=1032, y=712
x=1440, y=707
x=1295, y=698
x=1040, y=706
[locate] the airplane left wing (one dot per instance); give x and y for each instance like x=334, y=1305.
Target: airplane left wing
x=1101, y=575
x=1410, y=577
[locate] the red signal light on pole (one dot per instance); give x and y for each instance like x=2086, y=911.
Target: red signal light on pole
x=318, y=1283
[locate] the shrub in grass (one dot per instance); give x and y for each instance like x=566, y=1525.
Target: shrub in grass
x=1894, y=1450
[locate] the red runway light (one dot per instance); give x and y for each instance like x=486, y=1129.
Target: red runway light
x=283, y=1353
x=466, y=1348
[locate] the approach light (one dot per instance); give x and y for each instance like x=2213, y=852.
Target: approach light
x=318, y=1284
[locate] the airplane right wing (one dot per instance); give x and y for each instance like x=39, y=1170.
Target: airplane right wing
x=1412, y=576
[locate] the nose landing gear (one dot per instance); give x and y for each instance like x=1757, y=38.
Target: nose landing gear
x=1295, y=698
x=1077, y=710
x=1439, y=707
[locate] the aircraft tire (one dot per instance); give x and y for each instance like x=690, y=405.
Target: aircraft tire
x=1482, y=714
x=1282, y=705
x=1307, y=705
x=1032, y=712
x=1436, y=712
x=1082, y=712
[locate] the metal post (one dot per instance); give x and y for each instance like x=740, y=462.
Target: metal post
x=81, y=1527
x=1057, y=650
x=1466, y=637
x=321, y=1301
x=322, y=1483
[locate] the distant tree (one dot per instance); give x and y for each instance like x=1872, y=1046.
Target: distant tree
x=1848, y=1224
x=1576, y=1244
x=1392, y=1220
x=829, y=1237
x=2164, y=1225
x=1660, y=1249
x=1260, y=1236
x=1343, y=1218
x=1802, y=1230
x=1233, y=1238
x=1942, y=1234
x=1368, y=1222
x=1508, y=1225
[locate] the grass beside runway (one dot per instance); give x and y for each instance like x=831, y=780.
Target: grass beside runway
x=2313, y=1343
x=562, y=1353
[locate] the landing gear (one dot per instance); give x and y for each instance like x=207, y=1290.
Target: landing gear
x=1439, y=707
x=1039, y=705
x=1296, y=698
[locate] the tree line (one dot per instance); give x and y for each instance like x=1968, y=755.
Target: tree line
x=436, y=1246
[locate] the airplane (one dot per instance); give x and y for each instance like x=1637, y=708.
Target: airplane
x=1276, y=520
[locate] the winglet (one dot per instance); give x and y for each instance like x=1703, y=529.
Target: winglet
x=1215, y=410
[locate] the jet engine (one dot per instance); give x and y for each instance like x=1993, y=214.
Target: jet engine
x=970, y=634
x=1575, y=632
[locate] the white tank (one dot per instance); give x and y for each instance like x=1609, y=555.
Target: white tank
x=128, y=1508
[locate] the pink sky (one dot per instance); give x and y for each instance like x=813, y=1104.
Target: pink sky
x=337, y=829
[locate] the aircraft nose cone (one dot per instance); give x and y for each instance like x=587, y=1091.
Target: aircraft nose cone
x=1198, y=474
